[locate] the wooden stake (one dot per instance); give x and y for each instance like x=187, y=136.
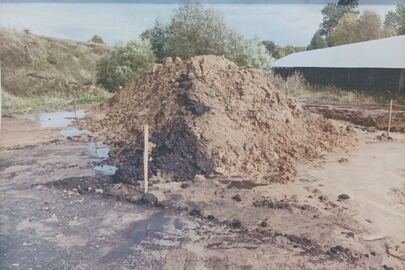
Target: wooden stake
x=390, y=118
x=146, y=157
x=1, y=93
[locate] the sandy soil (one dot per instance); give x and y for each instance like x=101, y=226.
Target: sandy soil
x=18, y=132
x=58, y=213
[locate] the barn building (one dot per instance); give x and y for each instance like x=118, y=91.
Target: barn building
x=377, y=65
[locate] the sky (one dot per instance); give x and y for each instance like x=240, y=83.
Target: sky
x=292, y=24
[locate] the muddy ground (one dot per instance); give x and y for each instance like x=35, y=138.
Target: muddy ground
x=60, y=211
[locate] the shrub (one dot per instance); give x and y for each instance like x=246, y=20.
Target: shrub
x=51, y=58
x=97, y=39
x=125, y=63
x=253, y=53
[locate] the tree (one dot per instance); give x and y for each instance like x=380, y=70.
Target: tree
x=157, y=36
x=124, y=64
x=97, y=39
x=395, y=20
x=352, y=3
x=352, y=28
x=317, y=42
x=332, y=13
x=196, y=30
x=272, y=48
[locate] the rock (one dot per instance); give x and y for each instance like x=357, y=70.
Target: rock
x=234, y=224
x=342, y=197
x=149, y=198
x=178, y=60
x=237, y=198
x=184, y=185
x=263, y=224
x=343, y=160
x=195, y=211
x=211, y=218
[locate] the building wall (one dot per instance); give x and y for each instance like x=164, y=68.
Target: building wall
x=351, y=78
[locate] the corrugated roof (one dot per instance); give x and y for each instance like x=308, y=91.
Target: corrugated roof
x=381, y=53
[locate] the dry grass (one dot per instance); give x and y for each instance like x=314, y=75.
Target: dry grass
x=296, y=86
x=40, y=66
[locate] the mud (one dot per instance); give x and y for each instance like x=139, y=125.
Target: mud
x=59, y=213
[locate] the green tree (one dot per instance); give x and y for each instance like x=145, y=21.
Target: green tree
x=332, y=13
x=272, y=48
x=395, y=20
x=317, y=42
x=97, y=39
x=157, y=36
x=196, y=30
x=352, y=28
x=125, y=63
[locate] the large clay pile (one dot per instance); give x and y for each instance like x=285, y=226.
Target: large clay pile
x=208, y=115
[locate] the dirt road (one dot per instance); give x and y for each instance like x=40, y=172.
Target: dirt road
x=60, y=210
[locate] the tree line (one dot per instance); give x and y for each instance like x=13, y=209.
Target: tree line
x=343, y=23
x=195, y=29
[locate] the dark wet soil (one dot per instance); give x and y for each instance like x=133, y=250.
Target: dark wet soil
x=176, y=155
x=240, y=184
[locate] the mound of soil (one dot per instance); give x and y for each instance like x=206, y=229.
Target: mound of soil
x=208, y=115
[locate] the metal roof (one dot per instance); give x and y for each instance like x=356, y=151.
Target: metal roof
x=381, y=53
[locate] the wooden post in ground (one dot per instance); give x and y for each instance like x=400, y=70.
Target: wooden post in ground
x=1, y=94
x=145, y=157
x=389, y=119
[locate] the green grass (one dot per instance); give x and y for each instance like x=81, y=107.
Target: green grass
x=22, y=104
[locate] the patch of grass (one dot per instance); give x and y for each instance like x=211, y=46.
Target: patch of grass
x=13, y=103
x=51, y=58
x=296, y=86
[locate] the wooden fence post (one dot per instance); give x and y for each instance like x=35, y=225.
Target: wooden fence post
x=389, y=119
x=146, y=157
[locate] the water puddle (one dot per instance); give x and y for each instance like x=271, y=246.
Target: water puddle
x=60, y=119
x=105, y=169
x=64, y=120
x=74, y=132
x=97, y=150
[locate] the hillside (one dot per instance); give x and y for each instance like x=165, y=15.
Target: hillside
x=35, y=66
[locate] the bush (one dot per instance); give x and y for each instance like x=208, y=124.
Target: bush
x=51, y=58
x=97, y=39
x=124, y=64
x=252, y=53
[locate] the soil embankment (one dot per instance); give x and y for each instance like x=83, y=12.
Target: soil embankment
x=40, y=66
